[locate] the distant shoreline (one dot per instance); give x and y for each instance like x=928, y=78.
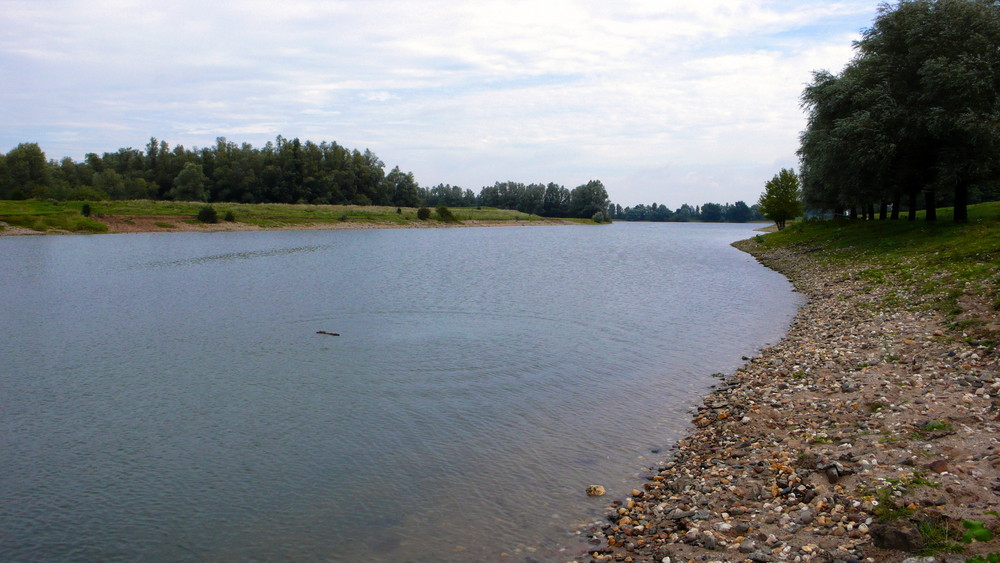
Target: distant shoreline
x=32, y=217
x=126, y=224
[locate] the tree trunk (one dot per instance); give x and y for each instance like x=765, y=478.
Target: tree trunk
x=930, y=205
x=854, y=213
x=871, y=211
x=883, y=210
x=961, y=203
x=912, y=216
x=897, y=202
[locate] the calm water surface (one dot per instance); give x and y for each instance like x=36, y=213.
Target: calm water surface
x=166, y=396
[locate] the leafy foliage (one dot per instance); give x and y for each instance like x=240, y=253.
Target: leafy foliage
x=600, y=217
x=916, y=112
x=403, y=187
x=445, y=215
x=189, y=185
x=24, y=170
x=207, y=214
x=738, y=212
x=975, y=530
x=588, y=199
x=284, y=171
x=781, y=200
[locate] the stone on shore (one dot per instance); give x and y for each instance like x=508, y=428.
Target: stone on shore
x=832, y=445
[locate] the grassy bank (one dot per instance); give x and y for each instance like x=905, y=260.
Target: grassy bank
x=952, y=267
x=46, y=216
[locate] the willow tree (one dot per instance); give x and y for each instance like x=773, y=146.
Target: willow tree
x=916, y=111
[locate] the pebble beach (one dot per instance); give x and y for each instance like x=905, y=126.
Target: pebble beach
x=869, y=433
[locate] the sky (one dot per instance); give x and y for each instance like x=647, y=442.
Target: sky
x=665, y=101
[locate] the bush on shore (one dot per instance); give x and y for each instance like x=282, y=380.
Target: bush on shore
x=445, y=215
x=207, y=214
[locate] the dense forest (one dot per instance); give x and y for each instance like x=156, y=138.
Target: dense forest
x=283, y=171
x=915, y=113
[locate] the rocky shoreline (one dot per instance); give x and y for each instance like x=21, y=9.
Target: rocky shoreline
x=869, y=433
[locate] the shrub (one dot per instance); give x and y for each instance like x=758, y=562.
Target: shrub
x=207, y=214
x=85, y=224
x=423, y=213
x=445, y=214
x=601, y=217
x=229, y=216
x=85, y=210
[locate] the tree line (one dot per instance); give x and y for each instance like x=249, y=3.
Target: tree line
x=738, y=212
x=915, y=113
x=547, y=200
x=283, y=171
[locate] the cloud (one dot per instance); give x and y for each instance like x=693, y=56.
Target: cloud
x=467, y=94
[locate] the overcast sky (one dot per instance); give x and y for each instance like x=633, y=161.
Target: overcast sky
x=669, y=101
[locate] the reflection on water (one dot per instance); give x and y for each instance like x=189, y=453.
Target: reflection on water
x=167, y=396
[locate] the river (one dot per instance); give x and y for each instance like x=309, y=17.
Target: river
x=168, y=397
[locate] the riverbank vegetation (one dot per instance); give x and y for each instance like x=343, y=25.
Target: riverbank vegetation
x=738, y=212
x=283, y=171
x=914, y=113
x=72, y=216
x=954, y=267
x=781, y=200
x=295, y=172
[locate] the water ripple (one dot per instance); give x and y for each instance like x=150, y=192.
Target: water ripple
x=230, y=257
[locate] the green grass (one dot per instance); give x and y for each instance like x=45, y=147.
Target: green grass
x=936, y=425
x=886, y=508
x=940, y=261
x=46, y=215
x=938, y=538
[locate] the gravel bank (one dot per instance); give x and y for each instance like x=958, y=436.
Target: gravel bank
x=864, y=423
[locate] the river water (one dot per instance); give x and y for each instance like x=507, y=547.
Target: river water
x=167, y=397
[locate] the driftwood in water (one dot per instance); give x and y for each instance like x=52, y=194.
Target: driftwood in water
x=325, y=332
